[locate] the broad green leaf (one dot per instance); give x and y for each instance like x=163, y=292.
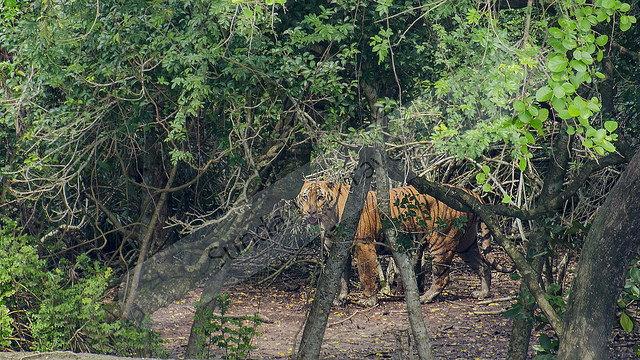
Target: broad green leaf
x=519, y=106
x=545, y=342
x=607, y=145
x=558, y=92
x=626, y=322
x=559, y=103
x=602, y=40
x=573, y=111
x=578, y=65
x=564, y=114
x=481, y=178
x=557, y=63
x=570, y=44
x=608, y=4
x=543, y=114
x=571, y=130
x=522, y=164
x=556, y=33
x=624, y=7
x=544, y=94
x=611, y=126
x=529, y=137
x=585, y=25
x=506, y=199
x=577, y=55
x=536, y=124
x=485, y=169
x=568, y=88
x=486, y=187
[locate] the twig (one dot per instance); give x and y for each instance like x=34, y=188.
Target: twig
x=352, y=315
x=262, y=318
x=492, y=312
x=489, y=301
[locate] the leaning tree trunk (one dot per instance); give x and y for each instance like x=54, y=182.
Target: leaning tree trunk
x=521, y=328
x=610, y=245
x=403, y=259
x=314, y=329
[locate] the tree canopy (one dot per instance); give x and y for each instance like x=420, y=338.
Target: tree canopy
x=127, y=125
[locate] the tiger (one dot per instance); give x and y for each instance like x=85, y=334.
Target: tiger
x=442, y=230
x=322, y=204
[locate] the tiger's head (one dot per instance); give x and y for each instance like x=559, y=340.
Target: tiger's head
x=322, y=203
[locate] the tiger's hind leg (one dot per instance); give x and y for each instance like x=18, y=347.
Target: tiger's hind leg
x=473, y=258
x=441, y=268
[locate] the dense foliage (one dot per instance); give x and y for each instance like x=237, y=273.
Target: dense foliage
x=108, y=105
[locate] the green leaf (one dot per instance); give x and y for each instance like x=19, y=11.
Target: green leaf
x=564, y=114
x=536, y=124
x=625, y=322
x=557, y=63
x=511, y=313
x=486, y=187
x=519, y=106
x=522, y=164
x=573, y=111
x=485, y=169
x=571, y=130
x=506, y=199
x=544, y=94
x=602, y=40
x=556, y=33
x=545, y=342
x=570, y=44
x=578, y=65
x=608, y=4
x=481, y=178
x=558, y=92
x=543, y=114
x=529, y=137
x=634, y=272
x=568, y=88
x=611, y=126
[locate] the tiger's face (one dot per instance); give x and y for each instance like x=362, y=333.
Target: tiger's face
x=317, y=201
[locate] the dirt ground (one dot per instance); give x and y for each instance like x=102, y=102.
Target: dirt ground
x=460, y=326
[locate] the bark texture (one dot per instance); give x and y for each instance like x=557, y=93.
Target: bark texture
x=610, y=245
x=316, y=324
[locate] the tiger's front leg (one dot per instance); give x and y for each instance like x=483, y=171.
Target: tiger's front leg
x=343, y=288
x=367, y=261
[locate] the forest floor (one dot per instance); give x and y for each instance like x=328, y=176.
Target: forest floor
x=460, y=326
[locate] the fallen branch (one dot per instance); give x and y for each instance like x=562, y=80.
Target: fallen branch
x=352, y=315
x=492, y=312
x=261, y=318
x=489, y=301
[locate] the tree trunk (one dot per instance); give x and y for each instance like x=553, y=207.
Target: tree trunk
x=405, y=263
x=610, y=245
x=133, y=289
x=554, y=177
x=403, y=259
x=314, y=329
x=213, y=287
